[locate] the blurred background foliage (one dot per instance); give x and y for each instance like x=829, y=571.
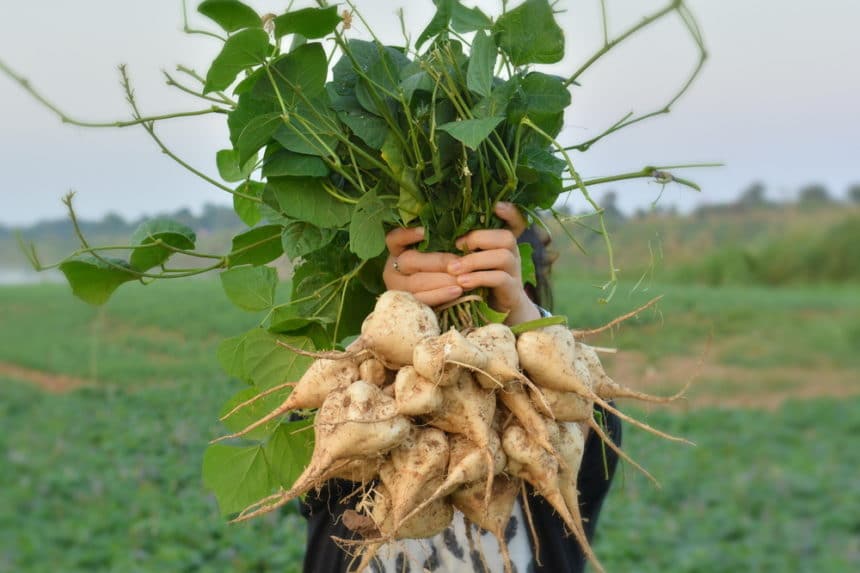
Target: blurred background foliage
x=105, y=413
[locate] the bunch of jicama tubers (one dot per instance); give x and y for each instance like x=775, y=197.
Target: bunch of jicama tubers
x=433, y=422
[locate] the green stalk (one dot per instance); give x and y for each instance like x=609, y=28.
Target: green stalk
x=613, y=274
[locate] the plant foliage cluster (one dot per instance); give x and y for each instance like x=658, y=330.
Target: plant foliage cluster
x=333, y=141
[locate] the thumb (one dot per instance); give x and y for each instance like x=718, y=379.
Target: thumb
x=509, y=213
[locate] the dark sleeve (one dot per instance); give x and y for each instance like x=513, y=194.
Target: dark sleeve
x=323, y=511
x=557, y=551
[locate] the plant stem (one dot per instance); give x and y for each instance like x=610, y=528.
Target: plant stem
x=692, y=28
x=150, y=129
x=609, y=45
x=25, y=84
x=173, y=82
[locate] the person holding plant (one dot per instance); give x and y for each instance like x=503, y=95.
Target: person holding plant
x=493, y=262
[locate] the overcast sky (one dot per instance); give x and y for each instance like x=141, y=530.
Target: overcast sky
x=777, y=101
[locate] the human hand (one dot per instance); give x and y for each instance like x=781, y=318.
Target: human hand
x=425, y=275
x=438, y=278
x=493, y=261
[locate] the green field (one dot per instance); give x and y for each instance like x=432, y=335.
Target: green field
x=106, y=475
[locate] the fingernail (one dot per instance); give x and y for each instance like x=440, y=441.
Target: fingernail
x=455, y=290
x=455, y=268
x=503, y=206
x=419, y=231
x=460, y=243
x=464, y=281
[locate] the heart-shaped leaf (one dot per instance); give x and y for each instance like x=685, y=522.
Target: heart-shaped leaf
x=250, y=288
x=231, y=15
x=241, y=51
x=155, y=241
x=93, y=280
x=309, y=22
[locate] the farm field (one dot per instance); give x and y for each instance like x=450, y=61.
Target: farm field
x=105, y=414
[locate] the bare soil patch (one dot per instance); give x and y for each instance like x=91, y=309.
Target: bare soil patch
x=718, y=384
x=47, y=381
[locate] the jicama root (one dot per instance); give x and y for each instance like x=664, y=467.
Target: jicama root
x=442, y=358
x=500, y=348
x=609, y=389
x=527, y=460
x=421, y=458
x=373, y=371
x=354, y=422
x=425, y=521
x=468, y=463
x=516, y=400
x=568, y=406
x=396, y=325
x=491, y=513
x=570, y=443
x=549, y=354
x=426, y=419
x=469, y=410
x=320, y=380
x=416, y=395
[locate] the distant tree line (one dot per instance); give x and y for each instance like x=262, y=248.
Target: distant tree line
x=216, y=217
x=212, y=218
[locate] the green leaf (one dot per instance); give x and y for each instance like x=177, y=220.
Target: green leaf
x=308, y=125
x=541, y=191
x=238, y=476
x=267, y=364
x=231, y=357
x=501, y=97
x=231, y=15
x=439, y=23
x=311, y=129
x=492, y=314
x=381, y=79
x=479, y=76
x=241, y=51
x=545, y=94
x=370, y=274
x=539, y=323
x=366, y=230
x=93, y=280
x=229, y=167
x=411, y=201
x=250, y=288
x=541, y=159
x=413, y=82
x=282, y=162
x=287, y=320
x=250, y=107
x=527, y=264
x=258, y=246
x=300, y=238
x=289, y=451
x=248, y=210
x=371, y=129
x=256, y=134
x=299, y=75
x=471, y=132
x=309, y=22
x=316, y=284
x=305, y=199
x=364, y=55
x=172, y=234
x=252, y=412
x=250, y=80
x=465, y=20
x=529, y=34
